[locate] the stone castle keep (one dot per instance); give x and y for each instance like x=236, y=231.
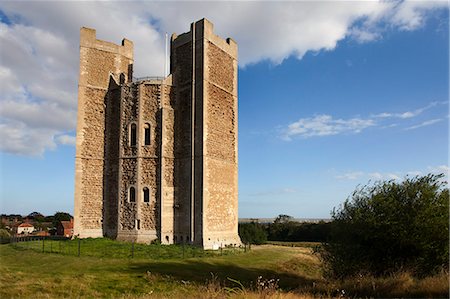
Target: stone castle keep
x=156, y=158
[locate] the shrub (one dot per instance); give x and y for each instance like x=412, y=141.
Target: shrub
x=390, y=227
x=253, y=233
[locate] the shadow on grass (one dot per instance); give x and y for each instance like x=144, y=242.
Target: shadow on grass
x=202, y=271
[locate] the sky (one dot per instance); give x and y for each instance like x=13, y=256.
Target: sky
x=332, y=95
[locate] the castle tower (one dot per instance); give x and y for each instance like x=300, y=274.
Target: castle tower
x=102, y=65
x=157, y=157
x=204, y=69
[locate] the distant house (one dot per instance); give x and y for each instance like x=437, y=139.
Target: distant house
x=42, y=234
x=65, y=228
x=25, y=228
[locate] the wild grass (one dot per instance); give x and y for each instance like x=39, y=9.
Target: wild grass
x=265, y=272
x=294, y=244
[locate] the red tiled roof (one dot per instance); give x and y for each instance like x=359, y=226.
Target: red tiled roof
x=67, y=224
x=25, y=225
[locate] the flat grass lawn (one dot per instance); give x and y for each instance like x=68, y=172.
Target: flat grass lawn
x=27, y=273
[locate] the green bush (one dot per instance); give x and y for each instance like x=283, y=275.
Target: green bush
x=5, y=236
x=253, y=233
x=389, y=227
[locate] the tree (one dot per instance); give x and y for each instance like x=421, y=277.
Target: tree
x=253, y=233
x=60, y=216
x=36, y=216
x=389, y=227
x=282, y=228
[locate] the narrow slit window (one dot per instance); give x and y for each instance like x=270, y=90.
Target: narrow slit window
x=133, y=135
x=138, y=224
x=147, y=134
x=146, y=195
x=132, y=195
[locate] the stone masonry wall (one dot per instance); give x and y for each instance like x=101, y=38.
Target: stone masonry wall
x=128, y=166
x=221, y=139
x=128, y=210
x=220, y=67
x=92, y=182
x=111, y=165
x=221, y=135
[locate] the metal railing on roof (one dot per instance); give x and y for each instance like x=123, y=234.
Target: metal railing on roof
x=136, y=79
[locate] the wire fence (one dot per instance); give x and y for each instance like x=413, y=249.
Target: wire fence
x=106, y=248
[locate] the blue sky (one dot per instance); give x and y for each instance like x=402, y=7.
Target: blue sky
x=331, y=95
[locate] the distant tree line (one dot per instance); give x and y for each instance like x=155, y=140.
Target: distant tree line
x=284, y=228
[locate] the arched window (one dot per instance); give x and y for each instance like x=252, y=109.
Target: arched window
x=146, y=194
x=133, y=135
x=132, y=195
x=147, y=134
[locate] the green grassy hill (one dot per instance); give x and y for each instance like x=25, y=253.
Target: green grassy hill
x=265, y=271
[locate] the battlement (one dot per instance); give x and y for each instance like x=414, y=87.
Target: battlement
x=89, y=39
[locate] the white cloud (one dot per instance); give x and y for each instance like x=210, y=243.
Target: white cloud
x=398, y=175
x=425, y=124
x=325, y=125
x=350, y=175
x=408, y=114
x=445, y=169
x=39, y=50
x=66, y=139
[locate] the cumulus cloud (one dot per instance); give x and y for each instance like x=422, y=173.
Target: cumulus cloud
x=39, y=45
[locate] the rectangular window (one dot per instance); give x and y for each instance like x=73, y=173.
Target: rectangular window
x=133, y=135
x=146, y=195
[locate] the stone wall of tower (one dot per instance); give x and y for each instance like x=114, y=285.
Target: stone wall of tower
x=204, y=69
x=181, y=70
x=220, y=132
x=166, y=187
x=102, y=65
x=141, y=165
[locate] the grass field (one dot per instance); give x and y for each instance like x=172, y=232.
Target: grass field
x=266, y=271
x=107, y=248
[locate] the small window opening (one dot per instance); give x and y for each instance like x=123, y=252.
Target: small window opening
x=138, y=224
x=132, y=195
x=167, y=238
x=181, y=239
x=147, y=134
x=146, y=195
x=133, y=135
